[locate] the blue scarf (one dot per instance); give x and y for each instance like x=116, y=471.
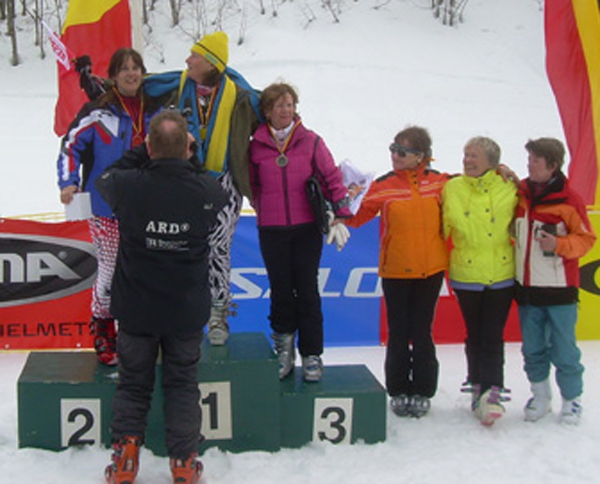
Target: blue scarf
x=213, y=157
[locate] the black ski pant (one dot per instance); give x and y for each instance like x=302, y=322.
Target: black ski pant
x=485, y=314
x=133, y=396
x=292, y=256
x=411, y=365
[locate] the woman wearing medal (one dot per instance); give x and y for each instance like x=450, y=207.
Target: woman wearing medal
x=283, y=155
x=101, y=133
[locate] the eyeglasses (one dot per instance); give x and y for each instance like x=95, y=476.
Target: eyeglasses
x=402, y=151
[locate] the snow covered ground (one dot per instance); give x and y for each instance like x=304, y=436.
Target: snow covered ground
x=448, y=446
x=385, y=65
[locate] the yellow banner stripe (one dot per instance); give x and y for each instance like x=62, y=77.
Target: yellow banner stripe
x=587, y=17
x=87, y=11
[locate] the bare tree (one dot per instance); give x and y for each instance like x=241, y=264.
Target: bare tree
x=57, y=12
x=449, y=11
x=144, y=12
x=2, y=9
x=12, y=31
x=334, y=8
x=38, y=15
x=309, y=15
x=175, y=12
x=381, y=4
x=243, y=26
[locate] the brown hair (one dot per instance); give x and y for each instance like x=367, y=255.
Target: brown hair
x=272, y=93
x=167, y=136
x=120, y=56
x=551, y=149
x=417, y=138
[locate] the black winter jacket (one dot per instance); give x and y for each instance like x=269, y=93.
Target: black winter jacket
x=166, y=210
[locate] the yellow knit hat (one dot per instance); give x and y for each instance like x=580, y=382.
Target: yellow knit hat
x=214, y=48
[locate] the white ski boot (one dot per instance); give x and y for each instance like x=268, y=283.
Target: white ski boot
x=570, y=413
x=489, y=409
x=540, y=403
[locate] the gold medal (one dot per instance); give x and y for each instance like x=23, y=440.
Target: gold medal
x=281, y=161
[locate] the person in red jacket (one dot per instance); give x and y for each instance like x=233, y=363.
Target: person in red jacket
x=552, y=232
x=412, y=261
x=283, y=156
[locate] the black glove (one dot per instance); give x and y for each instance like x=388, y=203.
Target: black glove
x=82, y=63
x=87, y=82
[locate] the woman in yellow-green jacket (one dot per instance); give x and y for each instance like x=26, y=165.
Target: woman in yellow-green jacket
x=478, y=209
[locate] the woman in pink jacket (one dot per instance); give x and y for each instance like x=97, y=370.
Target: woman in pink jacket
x=283, y=156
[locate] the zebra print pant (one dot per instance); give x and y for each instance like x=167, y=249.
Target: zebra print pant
x=219, y=257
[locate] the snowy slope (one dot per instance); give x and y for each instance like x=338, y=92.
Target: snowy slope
x=360, y=82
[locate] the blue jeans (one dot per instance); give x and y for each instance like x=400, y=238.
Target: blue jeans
x=549, y=337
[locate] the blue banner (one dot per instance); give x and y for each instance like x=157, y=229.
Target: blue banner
x=349, y=285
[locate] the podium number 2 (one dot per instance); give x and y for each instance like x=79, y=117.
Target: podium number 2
x=79, y=421
x=333, y=420
x=216, y=410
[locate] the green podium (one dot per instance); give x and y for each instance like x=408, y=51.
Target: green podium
x=346, y=406
x=64, y=400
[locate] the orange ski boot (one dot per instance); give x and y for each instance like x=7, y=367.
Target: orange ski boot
x=125, y=461
x=186, y=471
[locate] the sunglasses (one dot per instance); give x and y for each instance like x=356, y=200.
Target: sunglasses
x=402, y=151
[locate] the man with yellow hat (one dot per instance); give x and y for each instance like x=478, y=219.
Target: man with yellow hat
x=222, y=113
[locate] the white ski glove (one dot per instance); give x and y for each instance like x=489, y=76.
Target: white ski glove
x=338, y=233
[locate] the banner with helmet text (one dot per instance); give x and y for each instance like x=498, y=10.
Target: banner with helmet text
x=47, y=271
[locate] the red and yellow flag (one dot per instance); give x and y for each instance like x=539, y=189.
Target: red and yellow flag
x=572, y=30
x=96, y=28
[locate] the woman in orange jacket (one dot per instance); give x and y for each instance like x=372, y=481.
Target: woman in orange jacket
x=412, y=261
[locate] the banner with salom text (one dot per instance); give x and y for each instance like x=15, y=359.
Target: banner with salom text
x=47, y=270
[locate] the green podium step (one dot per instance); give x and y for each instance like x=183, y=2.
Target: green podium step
x=64, y=400
x=348, y=405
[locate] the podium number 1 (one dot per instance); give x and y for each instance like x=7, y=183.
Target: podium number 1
x=333, y=420
x=79, y=421
x=215, y=401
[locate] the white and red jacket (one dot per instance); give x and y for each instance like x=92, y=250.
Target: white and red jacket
x=279, y=192
x=546, y=279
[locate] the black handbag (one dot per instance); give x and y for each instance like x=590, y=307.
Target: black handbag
x=314, y=193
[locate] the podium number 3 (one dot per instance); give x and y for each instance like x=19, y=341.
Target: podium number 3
x=79, y=421
x=333, y=420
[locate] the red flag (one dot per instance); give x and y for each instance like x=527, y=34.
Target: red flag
x=572, y=29
x=96, y=28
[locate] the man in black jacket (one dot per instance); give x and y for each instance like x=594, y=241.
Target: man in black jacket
x=160, y=294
